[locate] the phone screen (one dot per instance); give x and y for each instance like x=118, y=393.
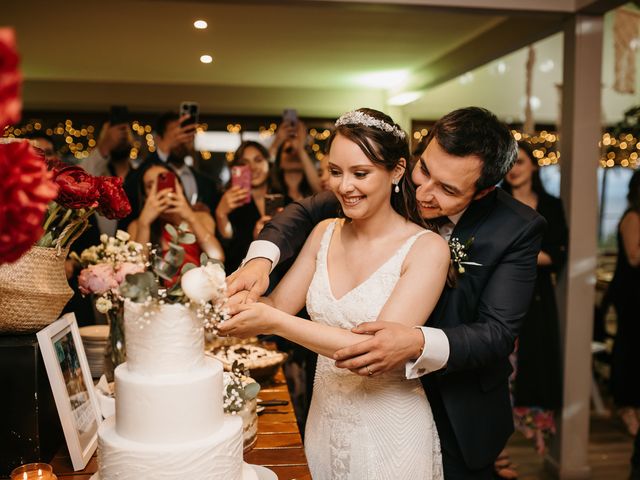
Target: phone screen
x=241, y=177
x=191, y=109
x=290, y=116
x=166, y=180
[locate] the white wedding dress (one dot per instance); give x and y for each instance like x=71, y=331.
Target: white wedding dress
x=366, y=428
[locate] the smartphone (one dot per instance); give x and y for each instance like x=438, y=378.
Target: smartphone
x=191, y=109
x=166, y=180
x=290, y=116
x=118, y=114
x=241, y=177
x=273, y=202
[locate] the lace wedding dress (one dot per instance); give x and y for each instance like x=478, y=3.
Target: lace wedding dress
x=366, y=428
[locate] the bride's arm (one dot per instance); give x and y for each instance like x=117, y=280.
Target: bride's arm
x=411, y=302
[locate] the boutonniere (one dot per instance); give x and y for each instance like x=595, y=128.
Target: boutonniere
x=459, y=254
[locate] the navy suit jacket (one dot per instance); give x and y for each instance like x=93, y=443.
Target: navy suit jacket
x=481, y=315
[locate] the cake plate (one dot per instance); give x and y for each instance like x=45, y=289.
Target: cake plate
x=263, y=473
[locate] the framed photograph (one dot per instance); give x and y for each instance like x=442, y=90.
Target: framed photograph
x=72, y=387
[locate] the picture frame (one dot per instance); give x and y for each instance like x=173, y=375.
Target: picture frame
x=72, y=386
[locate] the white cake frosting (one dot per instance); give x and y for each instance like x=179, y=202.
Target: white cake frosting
x=168, y=408
x=169, y=421
x=217, y=456
x=170, y=339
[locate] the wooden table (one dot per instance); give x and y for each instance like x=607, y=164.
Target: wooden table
x=279, y=446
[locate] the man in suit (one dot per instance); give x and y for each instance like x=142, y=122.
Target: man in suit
x=174, y=142
x=462, y=356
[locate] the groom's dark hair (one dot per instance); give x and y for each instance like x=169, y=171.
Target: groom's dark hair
x=477, y=131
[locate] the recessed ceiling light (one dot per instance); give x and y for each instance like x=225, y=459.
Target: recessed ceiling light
x=206, y=59
x=200, y=24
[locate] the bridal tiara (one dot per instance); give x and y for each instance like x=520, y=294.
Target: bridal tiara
x=356, y=117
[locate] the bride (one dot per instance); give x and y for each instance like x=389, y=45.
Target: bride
x=375, y=263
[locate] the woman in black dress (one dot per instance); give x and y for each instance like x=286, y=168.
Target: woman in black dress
x=624, y=290
x=237, y=222
x=537, y=382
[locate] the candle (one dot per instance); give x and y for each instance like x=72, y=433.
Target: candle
x=33, y=471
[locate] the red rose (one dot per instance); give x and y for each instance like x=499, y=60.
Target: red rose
x=25, y=191
x=10, y=79
x=78, y=189
x=113, y=201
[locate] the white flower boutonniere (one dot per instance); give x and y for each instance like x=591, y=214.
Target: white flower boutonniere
x=459, y=254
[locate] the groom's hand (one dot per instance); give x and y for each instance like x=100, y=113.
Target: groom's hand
x=253, y=277
x=391, y=346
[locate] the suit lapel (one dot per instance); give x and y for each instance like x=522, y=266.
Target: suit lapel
x=473, y=217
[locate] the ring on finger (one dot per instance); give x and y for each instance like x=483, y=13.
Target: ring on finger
x=368, y=370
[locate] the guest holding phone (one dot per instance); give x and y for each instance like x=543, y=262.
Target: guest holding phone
x=295, y=171
x=164, y=202
x=174, y=142
x=241, y=213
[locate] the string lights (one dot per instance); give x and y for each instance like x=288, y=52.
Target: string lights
x=77, y=140
x=622, y=150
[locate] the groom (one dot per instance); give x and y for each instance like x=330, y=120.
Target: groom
x=462, y=356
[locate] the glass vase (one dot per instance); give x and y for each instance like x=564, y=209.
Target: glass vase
x=115, y=353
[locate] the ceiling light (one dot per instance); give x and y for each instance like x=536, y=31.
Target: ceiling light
x=200, y=24
x=384, y=79
x=404, y=98
x=206, y=59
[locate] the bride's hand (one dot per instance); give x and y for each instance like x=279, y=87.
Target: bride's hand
x=249, y=320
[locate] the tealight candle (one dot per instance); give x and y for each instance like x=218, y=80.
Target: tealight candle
x=33, y=471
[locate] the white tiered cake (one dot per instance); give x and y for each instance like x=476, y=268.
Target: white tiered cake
x=169, y=421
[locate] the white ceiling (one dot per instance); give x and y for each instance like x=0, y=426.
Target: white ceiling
x=321, y=57
x=500, y=85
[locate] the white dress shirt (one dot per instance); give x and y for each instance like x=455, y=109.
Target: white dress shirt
x=435, y=353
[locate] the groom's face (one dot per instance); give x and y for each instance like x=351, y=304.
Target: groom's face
x=446, y=184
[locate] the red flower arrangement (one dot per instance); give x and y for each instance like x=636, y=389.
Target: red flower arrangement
x=113, y=201
x=26, y=187
x=10, y=79
x=79, y=196
x=78, y=189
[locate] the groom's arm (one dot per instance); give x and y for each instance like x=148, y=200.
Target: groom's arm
x=289, y=229
x=502, y=307
x=280, y=239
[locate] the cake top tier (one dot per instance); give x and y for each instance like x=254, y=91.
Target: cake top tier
x=162, y=339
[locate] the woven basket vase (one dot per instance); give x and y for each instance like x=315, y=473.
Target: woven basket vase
x=33, y=290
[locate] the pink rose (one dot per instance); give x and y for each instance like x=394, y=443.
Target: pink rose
x=97, y=279
x=127, y=269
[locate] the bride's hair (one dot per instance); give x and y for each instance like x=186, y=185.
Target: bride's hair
x=385, y=144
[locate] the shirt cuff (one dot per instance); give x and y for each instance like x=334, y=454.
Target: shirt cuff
x=435, y=354
x=263, y=249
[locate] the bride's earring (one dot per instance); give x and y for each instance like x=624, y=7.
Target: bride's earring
x=397, y=188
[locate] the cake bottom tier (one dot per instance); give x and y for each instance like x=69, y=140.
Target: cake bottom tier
x=215, y=457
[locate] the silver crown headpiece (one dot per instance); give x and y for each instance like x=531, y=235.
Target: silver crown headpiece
x=356, y=117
